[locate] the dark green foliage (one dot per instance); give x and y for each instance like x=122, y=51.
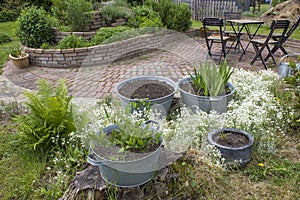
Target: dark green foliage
x=8, y=15
x=45, y=4
x=182, y=18
x=135, y=2
x=49, y=119
x=173, y=16
x=4, y=38
x=78, y=14
x=10, y=9
x=45, y=46
x=34, y=27
x=59, y=11
x=107, y=32
x=72, y=41
x=144, y=16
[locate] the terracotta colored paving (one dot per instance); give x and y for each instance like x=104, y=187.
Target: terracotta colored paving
x=173, y=61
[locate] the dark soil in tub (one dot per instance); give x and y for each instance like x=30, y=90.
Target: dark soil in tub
x=146, y=89
x=112, y=152
x=231, y=139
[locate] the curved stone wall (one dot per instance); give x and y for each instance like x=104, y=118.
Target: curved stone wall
x=99, y=55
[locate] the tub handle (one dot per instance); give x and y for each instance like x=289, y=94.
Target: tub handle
x=92, y=161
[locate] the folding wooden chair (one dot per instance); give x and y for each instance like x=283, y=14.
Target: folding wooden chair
x=232, y=34
x=283, y=39
x=280, y=28
x=215, y=37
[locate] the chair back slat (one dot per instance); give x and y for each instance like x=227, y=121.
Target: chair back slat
x=294, y=27
x=212, y=21
x=282, y=24
x=232, y=15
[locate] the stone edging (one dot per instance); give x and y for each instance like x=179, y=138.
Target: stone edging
x=101, y=54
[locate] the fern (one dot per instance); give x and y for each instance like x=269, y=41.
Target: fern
x=50, y=117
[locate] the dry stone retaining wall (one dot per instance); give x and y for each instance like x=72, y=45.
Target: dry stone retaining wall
x=99, y=55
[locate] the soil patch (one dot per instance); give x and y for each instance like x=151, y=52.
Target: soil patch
x=285, y=10
x=113, y=152
x=146, y=89
x=231, y=139
x=190, y=88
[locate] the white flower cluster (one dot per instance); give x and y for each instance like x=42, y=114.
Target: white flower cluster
x=253, y=109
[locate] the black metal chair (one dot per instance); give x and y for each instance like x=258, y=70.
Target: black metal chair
x=278, y=27
x=215, y=36
x=283, y=39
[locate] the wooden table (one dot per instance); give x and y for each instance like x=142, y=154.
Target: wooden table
x=244, y=24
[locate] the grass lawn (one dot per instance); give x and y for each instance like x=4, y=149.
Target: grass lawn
x=7, y=28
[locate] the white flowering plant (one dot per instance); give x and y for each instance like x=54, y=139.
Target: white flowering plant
x=254, y=109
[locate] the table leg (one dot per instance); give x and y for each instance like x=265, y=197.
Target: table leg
x=251, y=36
x=238, y=37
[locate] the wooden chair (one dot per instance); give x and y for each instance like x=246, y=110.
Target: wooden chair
x=278, y=27
x=283, y=39
x=215, y=37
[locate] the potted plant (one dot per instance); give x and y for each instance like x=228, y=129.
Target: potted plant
x=235, y=145
x=19, y=58
x=208, y=88
x=156, y=90
x=126, y=153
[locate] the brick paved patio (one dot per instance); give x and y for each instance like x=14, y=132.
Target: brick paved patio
x=174, y=61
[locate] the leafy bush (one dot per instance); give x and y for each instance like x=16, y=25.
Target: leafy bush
x=121, y=3
x=4, y=38
x=34, y=27
x=8, y=15
x=144, y=16
x=78, y=14
x=182, y=18
x=111, y=12
x=59, y=11
x=135, y=2
x=173, y=16
x=72, y=41
x=45, y=46
x=107, y=32
x=50, y=117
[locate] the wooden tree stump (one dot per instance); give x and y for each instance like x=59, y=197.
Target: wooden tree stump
x=89, y=185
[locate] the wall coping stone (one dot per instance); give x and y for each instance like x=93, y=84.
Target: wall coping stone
x=100, y=54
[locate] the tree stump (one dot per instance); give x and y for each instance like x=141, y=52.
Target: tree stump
x=89, y=185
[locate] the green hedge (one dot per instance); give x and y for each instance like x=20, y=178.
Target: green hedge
x=34, y=27
x=8, y=15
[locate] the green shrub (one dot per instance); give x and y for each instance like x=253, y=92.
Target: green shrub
x=144, y=16
x=50, y=117
x=173, y=16
x=72, y=41
x=78, y=14
x=59, y=11
x=4, y=38
x=8, y=15
x=45, y=46
x=34, y=27
x=45, y=4
x=111, y=12
x=135, y=2
x=182, y=18
x=107, y=32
